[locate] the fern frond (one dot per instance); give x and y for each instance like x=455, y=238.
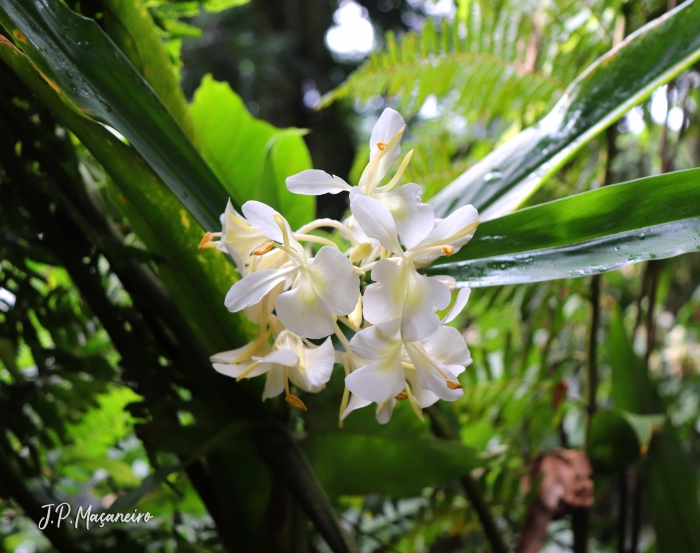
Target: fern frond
x=487, y=77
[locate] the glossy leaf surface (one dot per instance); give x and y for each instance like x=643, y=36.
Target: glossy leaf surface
x=653, y=55
x=589, y=233
x=251, y=157
x=77, y=58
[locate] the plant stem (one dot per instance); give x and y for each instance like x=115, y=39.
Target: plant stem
x=592, y=368
x=624, y=505
x=471, y=487
x=636, y=515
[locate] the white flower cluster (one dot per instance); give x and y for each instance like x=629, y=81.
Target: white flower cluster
x=401, y=349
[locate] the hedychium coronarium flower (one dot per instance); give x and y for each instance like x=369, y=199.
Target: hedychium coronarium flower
x=404, y=202
x=319, y=287
x=399, y=290
x=289, y=358
x=302, y=286
x=388, y=368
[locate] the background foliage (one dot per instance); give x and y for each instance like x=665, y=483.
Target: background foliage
x=110, y=172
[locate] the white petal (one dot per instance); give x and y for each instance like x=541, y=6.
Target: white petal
x=318, y=365
x=414, y=220
x=275, y=382
x=234, y=370
x=447, y=346
x=237, y=259
x=251, y=289
x=281, y=357
x=426, y=398
x=313, y=182
x=376, y=221
x=238, y=234
x=384, y=300
x=424, y=296
x=446, y=230
x=384, y=415
x=262, y=217
x=335, y=280
x=378, y=381
x=429, y=377
x=389, y=123
x=387, y=131
x=230, y=355
x=260, y=312
x=459, y=305
x=302, y=312
x=377, y=341
x=354, y=403
x=357, y=233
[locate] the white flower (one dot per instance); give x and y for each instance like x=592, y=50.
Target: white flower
x=436, y=362
x=308, y=367
x=399, y=290
x=244, y=243
x=414, y=219
x=322, y=286
x=418, y=398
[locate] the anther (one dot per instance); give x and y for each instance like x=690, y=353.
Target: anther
x=207, y=242
x=262, y=250
x=359, y=252
x=448, y=250
x=381, y=145
x=402, y=395
x=453, y=385
x=295, y=401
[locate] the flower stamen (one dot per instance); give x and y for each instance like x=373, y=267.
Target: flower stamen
x=262, y=250
x=296, y=402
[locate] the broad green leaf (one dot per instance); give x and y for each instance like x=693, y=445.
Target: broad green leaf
x=671, y=484
x=597, y=231
x=80, y=61
x=399, y=458
x=251, y=157
x=644, y=427
x=632, y=390
x=670, y=479
x=612, y=443
x=623, y=77
x=348, y=463
x=618, y=437
x=129, y=24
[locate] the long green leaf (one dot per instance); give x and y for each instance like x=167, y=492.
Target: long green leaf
x=593, y=232
x=130, y=25
x=76, y=57
x=602, y=94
